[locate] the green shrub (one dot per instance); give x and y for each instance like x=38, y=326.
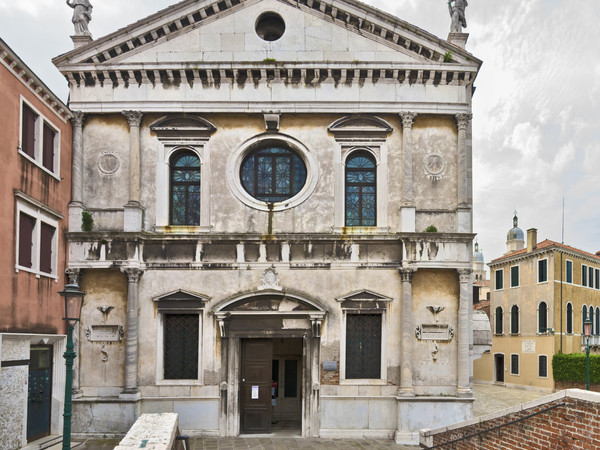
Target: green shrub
x=431, y=229
x=571, y=367
x=448, y=56
x=87, y=221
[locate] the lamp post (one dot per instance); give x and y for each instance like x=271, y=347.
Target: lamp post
x=587, y=331
x=73, y=302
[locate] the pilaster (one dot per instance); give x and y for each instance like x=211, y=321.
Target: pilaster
x=133, y=214
x=463, y=362
x=407, y=211
x=130, y=390
x=407, y=326
x=74, y=276
x=76, y=205
x=464, y=179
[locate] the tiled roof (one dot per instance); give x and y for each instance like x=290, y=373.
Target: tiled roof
x=481, y=305
x=546, y=244
x=482, y=283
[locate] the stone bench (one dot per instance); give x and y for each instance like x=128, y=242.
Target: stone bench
x=153, y=432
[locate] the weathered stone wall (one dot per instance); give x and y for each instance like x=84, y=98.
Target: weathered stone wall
x=13, y=393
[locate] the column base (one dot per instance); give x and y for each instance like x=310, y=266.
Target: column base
x=464, y=393
x=133, y=217
x=130, y=394
x=75, y=210
x=408, y=219
x=406, y=392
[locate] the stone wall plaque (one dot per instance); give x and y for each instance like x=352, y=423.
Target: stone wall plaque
x=329, y=366
x=105, y=333
x=528, y=346
x=434, y=332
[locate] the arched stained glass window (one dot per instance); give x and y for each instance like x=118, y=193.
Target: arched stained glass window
x=542, y=317
x=273, y=174
x=361, y=195
x=185, y=188
x=569, y=318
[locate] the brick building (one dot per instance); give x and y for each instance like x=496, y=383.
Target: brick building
x=34, y=193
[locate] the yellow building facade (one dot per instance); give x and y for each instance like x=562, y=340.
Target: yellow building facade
x=540, y=297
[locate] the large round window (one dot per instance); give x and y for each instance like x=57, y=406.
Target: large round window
x=270, y=26
x=272, y=173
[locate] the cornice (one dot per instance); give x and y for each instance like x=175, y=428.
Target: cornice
x=23, y=73
x=537, y=252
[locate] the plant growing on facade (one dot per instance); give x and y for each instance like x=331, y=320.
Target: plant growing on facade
x=87, y=221
x=448, y=56
x=431, y=229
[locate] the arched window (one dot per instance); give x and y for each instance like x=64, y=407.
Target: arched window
x=499, y=328
x=514, y=320
x=542, y=317
x=591, y=313
x=361, y=179
x=597, y=321
x=184, y=177
x=273, y=173
x=569, y=318
x=583, y=316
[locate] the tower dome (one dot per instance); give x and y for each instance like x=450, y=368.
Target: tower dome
x=515, y=238
x=478, y=264
x=477, y=255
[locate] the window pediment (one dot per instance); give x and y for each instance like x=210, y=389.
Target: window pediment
x=181, y=126
x=364, y=300
x=360, y=126
x=181, y=300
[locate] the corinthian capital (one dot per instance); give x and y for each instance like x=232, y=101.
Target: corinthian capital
x=134, y=118
x=133, y=273
x=464, y=275
x=78, y=119
x=408, y=118
x=462, y=121
x=73, y=275
x=406, y=274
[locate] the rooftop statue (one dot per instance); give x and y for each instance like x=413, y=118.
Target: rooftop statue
x=457, y=13
x=82, y=14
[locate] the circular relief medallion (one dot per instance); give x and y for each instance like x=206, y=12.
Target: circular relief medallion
x=108, y=163
x=435, y=166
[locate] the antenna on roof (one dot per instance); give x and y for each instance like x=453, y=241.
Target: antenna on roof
x=563, y=222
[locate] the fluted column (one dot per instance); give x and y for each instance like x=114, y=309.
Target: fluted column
x=133, y=209
x=464, y=178
x=74, y=276
x=76, y=205
x=407, y=331
x=408, y=199
x=131, y=336
x=463, y=362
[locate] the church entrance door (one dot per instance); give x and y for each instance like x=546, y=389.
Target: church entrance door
x=256, y=386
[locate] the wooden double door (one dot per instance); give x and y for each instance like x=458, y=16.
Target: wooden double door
x=271, y=375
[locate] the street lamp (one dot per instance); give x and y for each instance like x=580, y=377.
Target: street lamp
x=73, y=303
x=587, y=331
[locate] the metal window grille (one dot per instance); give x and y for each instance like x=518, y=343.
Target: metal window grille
x=363, y=346
x=543, y=366
x=181, y=346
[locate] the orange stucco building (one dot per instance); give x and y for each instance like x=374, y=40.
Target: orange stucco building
x=35, y=189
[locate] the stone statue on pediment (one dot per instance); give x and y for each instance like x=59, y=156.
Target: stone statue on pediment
x=457, y=13
x=82, y=15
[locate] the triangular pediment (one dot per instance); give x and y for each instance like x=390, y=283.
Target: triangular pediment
x=364, y=295
x=195, y=32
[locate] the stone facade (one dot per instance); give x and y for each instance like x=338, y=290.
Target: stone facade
x=325, y=82
x=36, y=148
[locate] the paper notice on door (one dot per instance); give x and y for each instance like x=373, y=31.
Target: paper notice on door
x=254, y=392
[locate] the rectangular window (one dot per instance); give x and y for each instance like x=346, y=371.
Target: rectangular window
x=591, y=277
x=542, y=366
x=181, y=346
x=597, y=285
x=39, y=139
x=26, y=226
x=28, y=131
x=584, y=273
x=514, y=364
x=542, y=270
x=363, y=346
x=499, y=279
x=37, y=239
x=569, y=271
x=514, y=276
x=48, y=148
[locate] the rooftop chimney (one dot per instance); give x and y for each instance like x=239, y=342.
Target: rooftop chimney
x=531, y=239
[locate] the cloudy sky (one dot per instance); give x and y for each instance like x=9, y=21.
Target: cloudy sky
x=536, y=109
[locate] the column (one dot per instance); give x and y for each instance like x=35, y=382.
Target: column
x=407, y=327
x=464, y=178
x=407, y=212
x=463, y=362
x=133, y=209
x=130, y=390
x=74, y=275
x=76, y=205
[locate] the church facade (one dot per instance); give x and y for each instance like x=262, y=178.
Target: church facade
x=261, y=175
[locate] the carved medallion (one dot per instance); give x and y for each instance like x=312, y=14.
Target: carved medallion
x=270, y=279
x=108, y=163
x=435, y=166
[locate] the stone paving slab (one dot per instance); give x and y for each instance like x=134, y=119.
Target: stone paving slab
x=211, y=443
